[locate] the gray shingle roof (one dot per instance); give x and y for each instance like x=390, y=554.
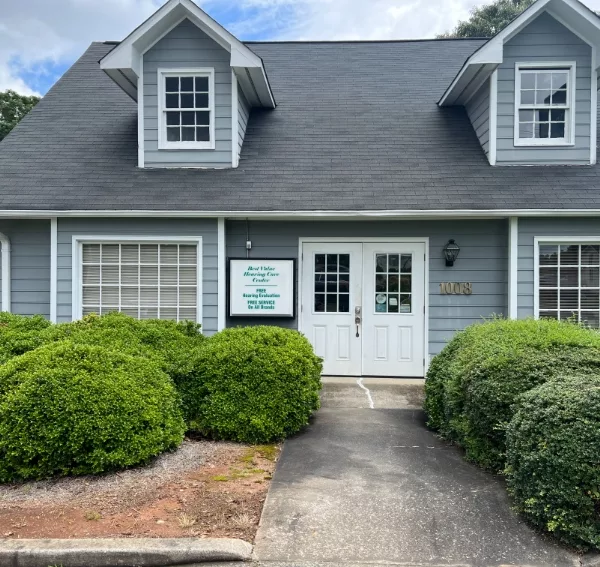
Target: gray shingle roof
x=357, y=128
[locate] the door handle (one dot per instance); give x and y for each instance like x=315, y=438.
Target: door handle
x=357, y=319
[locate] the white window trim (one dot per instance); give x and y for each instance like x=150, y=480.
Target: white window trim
x=162, y=73
x=570, y=114
x=558, y=240
x=77, y=242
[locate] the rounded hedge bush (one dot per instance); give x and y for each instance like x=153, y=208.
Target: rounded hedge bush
x=78, y=409
x=490, y=366
x=553, y=458
x=260, y=384
x=19, y=334
x=172, y=345
x=438, y=377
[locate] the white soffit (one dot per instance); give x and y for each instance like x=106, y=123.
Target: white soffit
x=571, y=13
x=122, y=64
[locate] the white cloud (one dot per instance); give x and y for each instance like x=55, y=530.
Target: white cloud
x=35, y=35
x=362, y=19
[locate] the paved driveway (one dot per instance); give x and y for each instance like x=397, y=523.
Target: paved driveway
x=374, y=485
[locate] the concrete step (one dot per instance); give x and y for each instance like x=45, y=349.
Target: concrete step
x=373, y=393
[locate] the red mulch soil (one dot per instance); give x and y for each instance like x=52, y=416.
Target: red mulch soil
x=204, y=489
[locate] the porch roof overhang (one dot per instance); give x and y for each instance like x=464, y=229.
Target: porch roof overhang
x=123, y=64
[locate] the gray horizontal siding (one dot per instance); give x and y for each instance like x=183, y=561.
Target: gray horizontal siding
x=186, y=46
x=478, y=110
x=529, y=228
x=545, y=39
x=206, y=228
x=482, y=261
x=243, y=118
x=30, y=266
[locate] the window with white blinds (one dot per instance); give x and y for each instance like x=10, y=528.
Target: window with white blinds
x=145, y=281
x=569, y=282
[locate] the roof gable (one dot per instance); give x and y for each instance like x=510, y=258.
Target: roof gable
x=122, y=64
x=574, y=15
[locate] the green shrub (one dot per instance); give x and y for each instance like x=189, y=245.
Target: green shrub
x=172, y=345
x=19, y=334
x=438, y=376
x=492, y=365
x=260, y=384
x=76, y=409
x=553, y=458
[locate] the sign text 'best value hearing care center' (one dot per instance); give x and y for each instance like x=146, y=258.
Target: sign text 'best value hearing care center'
x=261, y=288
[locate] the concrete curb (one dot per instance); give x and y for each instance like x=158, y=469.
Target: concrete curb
x=591, y=559
x=120, y=552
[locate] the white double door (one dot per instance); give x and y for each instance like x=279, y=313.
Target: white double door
x=363, y=306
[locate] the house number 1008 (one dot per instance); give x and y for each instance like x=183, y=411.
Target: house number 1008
x=449, y=288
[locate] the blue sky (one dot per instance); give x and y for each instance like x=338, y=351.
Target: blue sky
x=40, y=39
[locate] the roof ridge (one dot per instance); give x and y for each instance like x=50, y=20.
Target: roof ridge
x=336, y=41
x=360, y=41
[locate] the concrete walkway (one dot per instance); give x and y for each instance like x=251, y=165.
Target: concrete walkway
x=368, y=484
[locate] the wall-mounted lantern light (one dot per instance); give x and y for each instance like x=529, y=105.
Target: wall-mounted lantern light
x=451, y=252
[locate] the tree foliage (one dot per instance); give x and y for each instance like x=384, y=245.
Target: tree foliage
x=13, y=107
x=488, y=20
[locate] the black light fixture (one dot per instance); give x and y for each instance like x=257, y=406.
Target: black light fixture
x=451, y=252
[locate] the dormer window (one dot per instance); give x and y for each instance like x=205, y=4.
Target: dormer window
x=544, y=104
x=186, y=109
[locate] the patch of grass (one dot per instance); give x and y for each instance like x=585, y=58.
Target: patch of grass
x=248, y=463
x=268, y=452
x=92, y=516
x=243, y=521
x=247, y=457
x=186, y=521
x=238, y=473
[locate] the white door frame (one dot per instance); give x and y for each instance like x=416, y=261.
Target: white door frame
x=361, y=240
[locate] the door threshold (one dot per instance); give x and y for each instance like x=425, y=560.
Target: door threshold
x=373, y=380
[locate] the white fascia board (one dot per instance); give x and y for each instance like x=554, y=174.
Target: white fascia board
x=241, y=59
x=460, y=83
x=214, y=27
x=578, y=19
x=478, y=81
x=575, y=16
x=121, y=57
x=291, y=215
x=247, y=86
x=162, y=21
x=258, y=79
x=125, y=57
x=492, y=52
x=121, y=79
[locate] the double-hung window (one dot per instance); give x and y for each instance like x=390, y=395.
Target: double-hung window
x=544, y=104
x=141, y=278
x=186, y=109
x=568, y=276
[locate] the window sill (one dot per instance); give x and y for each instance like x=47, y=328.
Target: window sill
x=561, y=144
x=186, y=146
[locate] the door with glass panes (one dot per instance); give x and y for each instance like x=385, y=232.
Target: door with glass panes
x=363, y=307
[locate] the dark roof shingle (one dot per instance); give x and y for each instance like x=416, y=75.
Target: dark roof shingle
x=357, y=127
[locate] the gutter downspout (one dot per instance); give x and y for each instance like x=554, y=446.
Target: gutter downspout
x=6, y=274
